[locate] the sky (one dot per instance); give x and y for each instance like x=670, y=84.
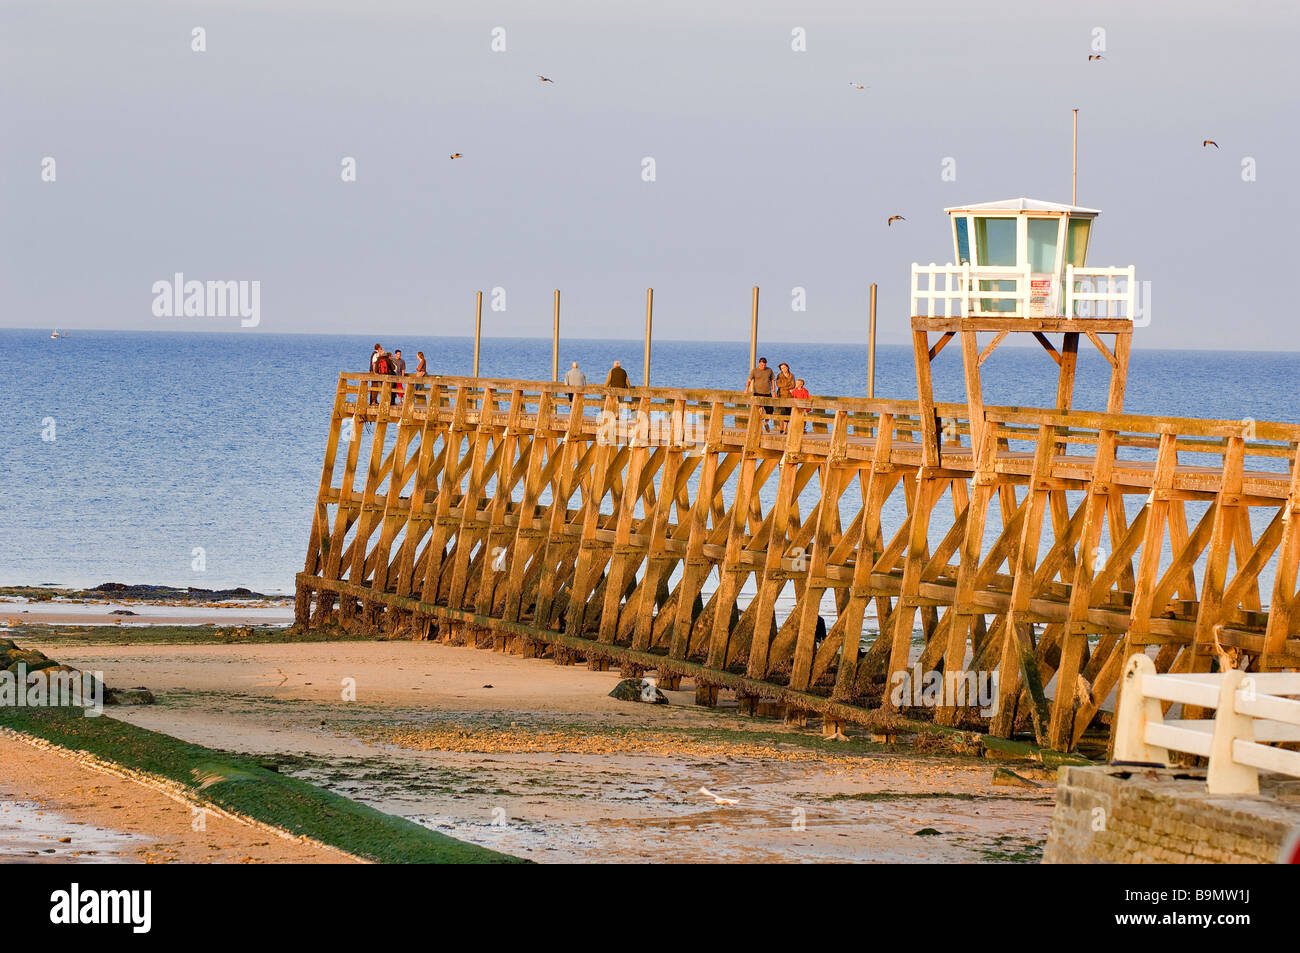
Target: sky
x=770, y=168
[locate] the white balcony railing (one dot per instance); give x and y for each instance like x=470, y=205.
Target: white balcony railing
x=1251, y=715
x=1101, y=292
x=972, y=291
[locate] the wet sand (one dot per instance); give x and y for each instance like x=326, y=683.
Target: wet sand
x=56, y=809
x=65, y=612
x=532, y=758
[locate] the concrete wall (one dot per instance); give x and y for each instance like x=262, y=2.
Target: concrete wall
x=1114, y=815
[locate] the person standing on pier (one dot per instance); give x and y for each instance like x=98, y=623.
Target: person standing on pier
x=785, y=382
x=617, y=377
x=399, y=371
x=383, y=365
x=800, y=392
x=574, y=378
x=760, y=383
x=421, y=369
x=374, y=362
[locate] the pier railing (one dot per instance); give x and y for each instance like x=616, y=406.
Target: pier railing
x=811, y=552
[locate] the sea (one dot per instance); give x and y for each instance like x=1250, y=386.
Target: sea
x=193, y=459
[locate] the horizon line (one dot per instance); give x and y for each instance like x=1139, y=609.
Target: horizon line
x=639, y=341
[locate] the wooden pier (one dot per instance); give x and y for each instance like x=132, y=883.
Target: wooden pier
x=670, y=531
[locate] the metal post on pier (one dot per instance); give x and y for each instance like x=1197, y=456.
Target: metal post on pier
x=649, y=318
x=478, y=327
x=555, y=340
x=753, y=333
x=1074, y=163
x=871, y=346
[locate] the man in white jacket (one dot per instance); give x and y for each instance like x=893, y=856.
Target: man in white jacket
x=575, y=378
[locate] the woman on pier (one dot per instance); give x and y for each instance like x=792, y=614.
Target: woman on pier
x=784, y=384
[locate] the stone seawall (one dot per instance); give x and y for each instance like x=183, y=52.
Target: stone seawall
x=1118, y=815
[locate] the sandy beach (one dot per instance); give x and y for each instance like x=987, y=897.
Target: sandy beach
x=534, y=759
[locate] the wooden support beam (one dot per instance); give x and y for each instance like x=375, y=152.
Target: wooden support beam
x=1047, y=346
x=991, y=347
x=940, y=344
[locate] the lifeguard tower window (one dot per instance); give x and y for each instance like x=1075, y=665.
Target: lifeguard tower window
x=995, y=241
x=963, y=241
x=995, y=244
x=1043, y=233
x=1076, y=242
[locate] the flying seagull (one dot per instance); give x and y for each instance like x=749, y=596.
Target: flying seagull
x=895, y=218
x=728, y=801
x=857, y=86
x=1093, y=56
x=457, y=155
x=1209, y=142
x=545, y=79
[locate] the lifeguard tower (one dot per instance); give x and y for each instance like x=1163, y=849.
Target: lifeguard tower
x=1021, y=267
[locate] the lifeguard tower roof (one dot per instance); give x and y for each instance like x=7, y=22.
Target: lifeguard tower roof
x=1023, y=204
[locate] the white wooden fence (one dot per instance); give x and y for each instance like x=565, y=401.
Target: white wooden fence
x=1250, y=717
x=1096, y=292
x=955, y=291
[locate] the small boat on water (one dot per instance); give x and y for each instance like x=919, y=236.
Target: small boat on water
x=56, y=333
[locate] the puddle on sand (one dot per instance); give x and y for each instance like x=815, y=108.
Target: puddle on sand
x=30, y=833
